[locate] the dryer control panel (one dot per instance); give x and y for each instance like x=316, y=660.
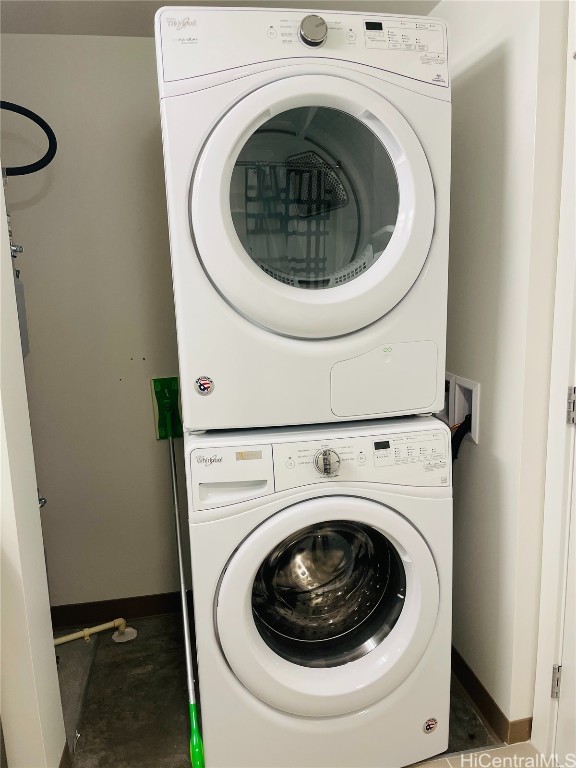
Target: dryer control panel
x=195, y=41
x=416, y=459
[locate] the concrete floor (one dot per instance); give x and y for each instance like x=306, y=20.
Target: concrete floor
x=135, y=712
x=75, y=660
x=136, y=709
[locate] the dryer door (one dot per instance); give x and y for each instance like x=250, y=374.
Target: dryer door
x=328, y=606
x=312, y=206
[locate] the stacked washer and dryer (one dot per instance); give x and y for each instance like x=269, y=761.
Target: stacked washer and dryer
x=307, y=163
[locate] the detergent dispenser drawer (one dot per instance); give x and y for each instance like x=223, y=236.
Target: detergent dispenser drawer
x=229, y=475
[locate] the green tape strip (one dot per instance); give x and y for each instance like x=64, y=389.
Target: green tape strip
x=165, y=399
x=196, y=747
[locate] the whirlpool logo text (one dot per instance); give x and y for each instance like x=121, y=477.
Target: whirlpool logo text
x=180, y=24
x=209, y=460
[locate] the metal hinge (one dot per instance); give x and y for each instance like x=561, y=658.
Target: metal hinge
x=571, y=408
x=556, y=680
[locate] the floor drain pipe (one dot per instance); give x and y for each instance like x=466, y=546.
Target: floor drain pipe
x=122, y=634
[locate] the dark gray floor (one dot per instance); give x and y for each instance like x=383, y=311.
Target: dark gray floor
x=467, y=731
x=136, y=710
x=75, y=661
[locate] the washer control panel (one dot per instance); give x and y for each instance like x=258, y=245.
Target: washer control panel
x=411, y=458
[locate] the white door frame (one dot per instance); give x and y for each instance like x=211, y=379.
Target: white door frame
x=561, y=436
x=29, y=695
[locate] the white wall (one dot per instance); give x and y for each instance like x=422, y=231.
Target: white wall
x=32, y=722
x=507, y=68
x=96, y=270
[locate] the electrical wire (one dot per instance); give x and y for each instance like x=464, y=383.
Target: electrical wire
x=23, y=170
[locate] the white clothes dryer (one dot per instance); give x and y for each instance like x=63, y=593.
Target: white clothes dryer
x=307, y=168
x=321, y=565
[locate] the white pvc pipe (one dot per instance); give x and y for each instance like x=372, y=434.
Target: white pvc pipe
x=119, y=624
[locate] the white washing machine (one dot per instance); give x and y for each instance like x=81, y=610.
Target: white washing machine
x=321, y=563
x=307, y=167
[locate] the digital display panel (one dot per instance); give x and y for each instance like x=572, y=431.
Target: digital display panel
x=382, y=445
x=375, y=26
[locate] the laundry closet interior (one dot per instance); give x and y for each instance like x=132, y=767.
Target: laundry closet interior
x=353, y=217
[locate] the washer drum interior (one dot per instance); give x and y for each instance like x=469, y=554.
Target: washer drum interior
x=329, y=594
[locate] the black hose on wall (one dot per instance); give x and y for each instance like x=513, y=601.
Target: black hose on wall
x=459, y=433
x=23, y=170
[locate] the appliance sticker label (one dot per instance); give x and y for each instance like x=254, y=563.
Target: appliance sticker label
x=430, y=725
x=204, y=385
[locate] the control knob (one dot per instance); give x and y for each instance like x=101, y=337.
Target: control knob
x=327, y=462
x=313, y=30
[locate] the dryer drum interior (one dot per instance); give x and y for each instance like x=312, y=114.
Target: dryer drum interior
x=329, y=593
x=314, y=197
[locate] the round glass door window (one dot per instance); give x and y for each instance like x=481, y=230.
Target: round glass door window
x=329, y=594
x=314, y=197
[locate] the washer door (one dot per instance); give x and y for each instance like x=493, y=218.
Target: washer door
x=312, y=206
x=328, y=606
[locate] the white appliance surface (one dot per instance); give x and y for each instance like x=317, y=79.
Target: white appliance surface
x=308, y=201
x=321, y=565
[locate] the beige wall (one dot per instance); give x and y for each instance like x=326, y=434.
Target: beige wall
x=136, y=17
x=96, y=271
x=507, y=67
